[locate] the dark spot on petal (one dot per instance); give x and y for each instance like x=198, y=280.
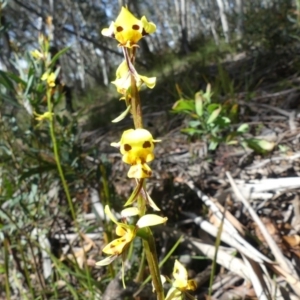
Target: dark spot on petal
x=148, y=173
x=112, y=246
x=127, y=147
x=144, y=32
x=135, y=27
x=119, y=28
x=147, y=144
x=123, y=240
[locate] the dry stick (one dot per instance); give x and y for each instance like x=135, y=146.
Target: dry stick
x=273, y=246
x=287, y=270
x=235, y=240
x=257, y=280
x=244, y=248
x=230, y=235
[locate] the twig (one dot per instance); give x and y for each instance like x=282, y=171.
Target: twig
x=273, y=246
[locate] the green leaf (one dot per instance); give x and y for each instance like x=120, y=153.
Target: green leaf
x=184, y=105
x=230, y=138
x=222, y=122
x=199, y=103
x=5, y=81
x=213, y=145
x=243, y=128
x=194, y=123
x=260, y=146
x=214, y=115
x=212, y=107
x=13, y=77
x=192, y=131
x=57, y=55
x=29, y=84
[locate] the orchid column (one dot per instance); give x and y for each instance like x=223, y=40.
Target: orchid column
x=136, y=146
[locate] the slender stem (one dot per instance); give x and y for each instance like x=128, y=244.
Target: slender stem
x=57, y=158
x=136, y=108
x=140, y=274
x=136, y=104
x=149, y=244
x=151, y=256
x=6, y=267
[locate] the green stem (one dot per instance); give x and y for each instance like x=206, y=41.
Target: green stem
x=150, y=251
x=136, y=105
x=57, y=158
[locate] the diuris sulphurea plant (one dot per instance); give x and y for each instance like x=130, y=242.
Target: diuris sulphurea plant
x=137, y=149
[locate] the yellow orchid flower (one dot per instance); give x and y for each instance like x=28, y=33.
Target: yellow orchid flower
x=127, y=29
x=126, y=232
x=137, y=146
x=181, y=278
x=50, y=78
x=45, y=116
x=181, y=283
x=123, y=80
x=37, y=54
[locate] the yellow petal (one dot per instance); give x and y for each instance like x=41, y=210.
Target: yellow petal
x=149, y=27
x=192, y=285
x=50, y=78
x=173, y=294
x=122, y=69
x=106, y=261
x=137, y=144
x=117, y=246
x=110, y=215
x=129, y=212
x=139, y=171
x=137, y=155
x=126, y=227
x=44, y=76
x=149, y=81
x=37, y=54
x=109, y=31
x=45, y=116
x=150, y=220
x=120, y=231
x=116, y=145
x=127, y=29
x=123, y=79
x=152, y=203
x=180, y=275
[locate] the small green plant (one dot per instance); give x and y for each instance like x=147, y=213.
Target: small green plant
x=213, y=122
